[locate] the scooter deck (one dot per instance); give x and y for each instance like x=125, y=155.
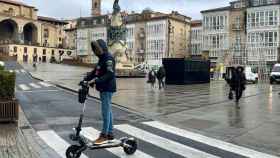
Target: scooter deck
x=109, y=144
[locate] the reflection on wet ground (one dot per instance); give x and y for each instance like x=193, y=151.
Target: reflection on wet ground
x=203, y=108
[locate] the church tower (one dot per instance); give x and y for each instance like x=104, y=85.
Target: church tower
x=96, y=8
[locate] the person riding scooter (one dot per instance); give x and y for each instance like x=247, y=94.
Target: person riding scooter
x=103, y=77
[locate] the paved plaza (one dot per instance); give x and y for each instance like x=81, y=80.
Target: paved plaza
x=202, y=108
x=195, y=120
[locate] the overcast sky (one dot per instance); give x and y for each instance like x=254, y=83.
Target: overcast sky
x=75, y=8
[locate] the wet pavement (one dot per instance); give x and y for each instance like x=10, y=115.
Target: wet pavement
x=202, y=108
x=19, y=140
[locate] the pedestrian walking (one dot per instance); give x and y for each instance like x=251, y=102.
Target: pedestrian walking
x=160, y=77
x=152, y=78
x=35, y=65
x=238, y=82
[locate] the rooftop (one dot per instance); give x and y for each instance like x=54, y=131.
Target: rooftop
x=196, y=23
x=52, y=20
x=151, y=15
x=216, y=9
x=15, y=2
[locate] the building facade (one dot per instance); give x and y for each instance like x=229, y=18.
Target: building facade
x=150, y=36
x=89, y=29
x=250, y=31
x=263, y=28
x=30, y=37
x=196, y=38
x=216, y=28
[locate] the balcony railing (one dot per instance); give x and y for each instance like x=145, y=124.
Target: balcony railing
x=237, y=27
x=141, y=35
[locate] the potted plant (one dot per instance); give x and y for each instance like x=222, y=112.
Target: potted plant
x=8, y=103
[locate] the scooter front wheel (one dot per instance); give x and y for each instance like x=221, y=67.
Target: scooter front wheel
x=130, y=147
x=73, y=151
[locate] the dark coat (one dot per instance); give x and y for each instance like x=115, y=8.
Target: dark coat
x=152, y=77
x=238, y=80
x=104, y=72
x=161, y=73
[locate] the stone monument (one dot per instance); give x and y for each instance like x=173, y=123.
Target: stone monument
x=117, y=38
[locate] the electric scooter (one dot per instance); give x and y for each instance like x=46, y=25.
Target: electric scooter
x=129, y=145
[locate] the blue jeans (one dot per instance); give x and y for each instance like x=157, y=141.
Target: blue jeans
x=106, y=99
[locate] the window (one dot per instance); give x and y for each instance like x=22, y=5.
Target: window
x=249, y=20
x=15, y=49
x=257, y=18
x=25, y=49
x=253, y=20
x=275, y=17
x=222, y=22
x=261, y=18
x=46, y=33
x=207, y=22
x=271, y=18
x=44, y=51
x=52, y=52
x=270, y=39
x=275, y=39
x=35, y=50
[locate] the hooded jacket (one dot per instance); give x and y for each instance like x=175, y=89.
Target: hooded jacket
x=238, y=79
x=104, y=72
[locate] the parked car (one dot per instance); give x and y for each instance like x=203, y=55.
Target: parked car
x=250, y=75
x=275, y=74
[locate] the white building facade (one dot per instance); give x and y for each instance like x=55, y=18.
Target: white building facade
x=156, y=41
x=263, y=33
x=216, y=33
x=196, y=39
x=84, y=38
x=130, y=40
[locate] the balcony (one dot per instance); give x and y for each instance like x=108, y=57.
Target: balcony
x=140, y=51
x=141, y=35
x=237, y=27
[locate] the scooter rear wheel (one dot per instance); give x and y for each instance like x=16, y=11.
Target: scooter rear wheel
x=132, y=149
x=73, y=151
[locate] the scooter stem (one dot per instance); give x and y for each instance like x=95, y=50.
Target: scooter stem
x=79, y=127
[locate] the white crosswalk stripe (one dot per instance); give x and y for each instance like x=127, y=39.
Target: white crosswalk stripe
x=164, y=143
x=23, y=71
x=17, y=71
x=55, y=142
x=45, y=84
x=34, y=85
x=24, y=87
x=60, y=145
x=209, y=141
x=91, y=133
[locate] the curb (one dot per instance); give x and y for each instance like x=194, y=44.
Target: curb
x=36, y=144
x=114, y=104
x=93, y=97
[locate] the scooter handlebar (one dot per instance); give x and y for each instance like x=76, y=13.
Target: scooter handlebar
x=83, y=83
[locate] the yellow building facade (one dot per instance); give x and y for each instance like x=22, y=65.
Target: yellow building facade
x=31, y=37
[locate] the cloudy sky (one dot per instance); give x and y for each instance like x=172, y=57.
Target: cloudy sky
x=75, y=8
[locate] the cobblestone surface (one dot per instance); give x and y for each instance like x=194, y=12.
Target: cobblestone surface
x=19, y=140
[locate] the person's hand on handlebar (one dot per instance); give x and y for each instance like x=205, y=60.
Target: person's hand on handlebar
x=92, y=82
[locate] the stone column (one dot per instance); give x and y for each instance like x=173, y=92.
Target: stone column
x=20, y=35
